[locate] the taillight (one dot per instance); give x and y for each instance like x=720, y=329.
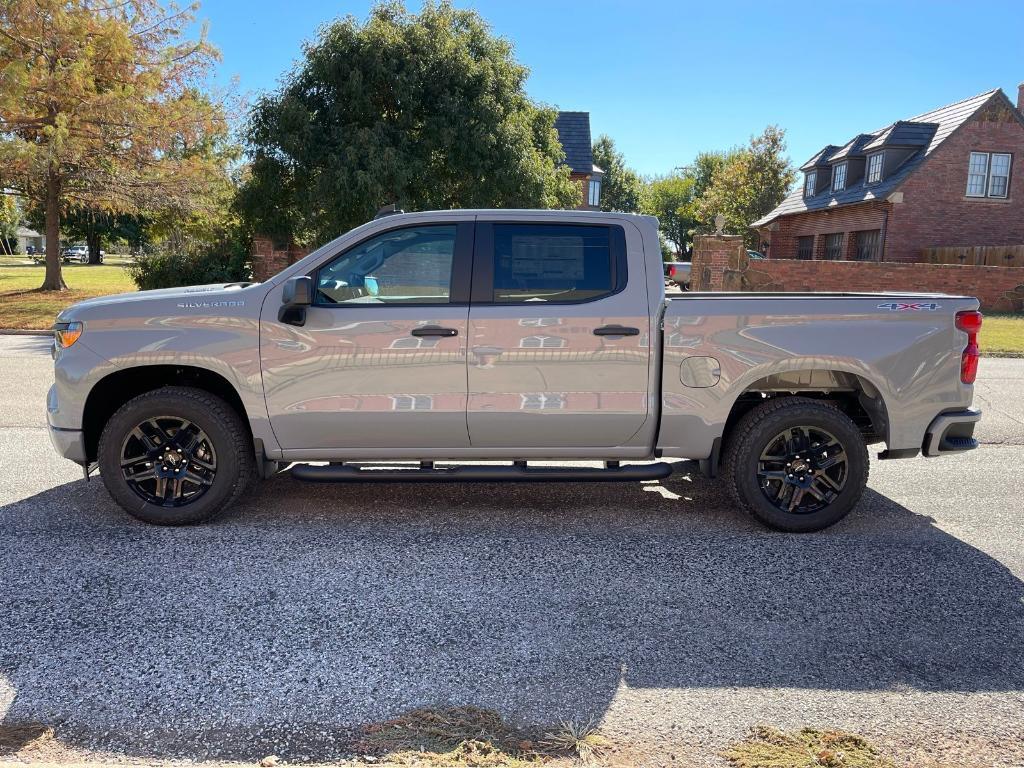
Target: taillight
x=970, y=323
x=671, y=271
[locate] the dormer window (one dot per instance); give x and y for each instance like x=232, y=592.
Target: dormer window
x=875, y=168
x=810, y=183
x=839, y=178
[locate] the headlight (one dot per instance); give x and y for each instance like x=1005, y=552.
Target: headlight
x=66, y=334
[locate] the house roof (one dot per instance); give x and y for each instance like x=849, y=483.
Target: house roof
x=574, y=133
x=26, y=232
x=821, y=159
x=927, y=131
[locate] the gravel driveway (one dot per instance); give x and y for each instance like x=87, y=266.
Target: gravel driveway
x=657, y=609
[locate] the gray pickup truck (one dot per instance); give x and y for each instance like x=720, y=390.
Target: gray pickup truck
x=418, y=343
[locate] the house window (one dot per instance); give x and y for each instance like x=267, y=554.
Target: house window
x=810, y=183
x=834, y=246
x=875, y=168
x=988, y=174
x=414, y=342
x=594, y=192
x=999, y=176
x=839, y=178
x=805, y=247
x=868, y=245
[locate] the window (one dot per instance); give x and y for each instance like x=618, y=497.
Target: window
x=810, y=183
x=977, y=174
x=553, y=262
x=403, y=266
x=543, y=402
x=988, y=174
x=875, y=168
x=594, y=193
x=839, y=178
x=868, y=245
x=999, y=176
x=805, y=247
x=541, y=342
x=834, y=246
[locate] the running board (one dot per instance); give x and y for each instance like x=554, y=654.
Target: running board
x=340, y=473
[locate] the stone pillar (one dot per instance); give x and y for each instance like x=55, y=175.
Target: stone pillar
x=719, y=263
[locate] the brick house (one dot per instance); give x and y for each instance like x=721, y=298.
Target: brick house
x=574, y=133
x=945, y=178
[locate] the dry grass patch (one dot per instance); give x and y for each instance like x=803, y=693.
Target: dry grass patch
x=807, y=748
x=471, y=736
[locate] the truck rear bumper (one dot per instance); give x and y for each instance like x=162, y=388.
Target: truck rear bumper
x=951, y=433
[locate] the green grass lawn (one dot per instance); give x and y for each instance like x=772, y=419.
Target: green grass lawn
x=23, y=305
x=1002, y=335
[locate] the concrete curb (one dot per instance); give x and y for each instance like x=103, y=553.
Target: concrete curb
x=23, y=332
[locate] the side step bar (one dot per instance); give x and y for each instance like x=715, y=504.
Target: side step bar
x=340, y=473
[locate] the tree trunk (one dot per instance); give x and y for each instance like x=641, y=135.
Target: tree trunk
x=54, y=280
x=93, y=241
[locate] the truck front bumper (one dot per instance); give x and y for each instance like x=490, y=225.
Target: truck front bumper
x=951, y=433
x=69, y=443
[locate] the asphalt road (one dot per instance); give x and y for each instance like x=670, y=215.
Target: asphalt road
x=657, y=609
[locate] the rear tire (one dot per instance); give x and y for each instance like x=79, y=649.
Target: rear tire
x=176, y=456
x=796, y=464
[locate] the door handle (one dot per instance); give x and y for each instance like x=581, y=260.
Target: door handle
x=616, y=330
x=434, y=330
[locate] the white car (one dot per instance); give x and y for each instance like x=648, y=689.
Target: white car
x=79, y=252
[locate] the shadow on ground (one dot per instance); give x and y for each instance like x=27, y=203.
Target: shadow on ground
x=311, y=609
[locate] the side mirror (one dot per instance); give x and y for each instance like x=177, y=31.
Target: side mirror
x=296, y=296
x=298, y=292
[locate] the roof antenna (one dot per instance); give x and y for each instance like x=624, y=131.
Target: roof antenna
x=388, y=210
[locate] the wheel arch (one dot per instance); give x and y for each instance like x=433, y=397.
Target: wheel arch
x=117, y=388
x=852, y=392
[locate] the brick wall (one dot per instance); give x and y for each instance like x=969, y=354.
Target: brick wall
x=1000, y=289
x=268, y=260
x=583, y=179
x=936, y=212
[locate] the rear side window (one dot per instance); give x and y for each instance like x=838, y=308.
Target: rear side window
x=556, y=262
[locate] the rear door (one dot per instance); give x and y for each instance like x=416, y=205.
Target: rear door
x=559, y=336
x=380, y=362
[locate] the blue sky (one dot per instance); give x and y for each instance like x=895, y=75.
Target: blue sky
x=669, y=79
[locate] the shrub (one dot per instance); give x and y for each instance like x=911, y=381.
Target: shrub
x=170, y=267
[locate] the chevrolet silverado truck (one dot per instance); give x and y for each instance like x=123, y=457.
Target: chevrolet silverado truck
x=420, y=343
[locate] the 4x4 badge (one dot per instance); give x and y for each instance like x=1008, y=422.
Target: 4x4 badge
x=912, y=306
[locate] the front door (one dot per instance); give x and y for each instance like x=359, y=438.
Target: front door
x=380, y=362
x=559, y=337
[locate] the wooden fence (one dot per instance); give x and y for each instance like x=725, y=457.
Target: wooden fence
x=978, y=255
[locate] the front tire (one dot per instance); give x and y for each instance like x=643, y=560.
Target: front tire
x=176, y=456
x=796, y=464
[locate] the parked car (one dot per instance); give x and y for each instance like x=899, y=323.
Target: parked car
x=462, y=336
x=678, y=273
x=78, y=253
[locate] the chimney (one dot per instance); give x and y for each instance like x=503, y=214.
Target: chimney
x=1020, y=98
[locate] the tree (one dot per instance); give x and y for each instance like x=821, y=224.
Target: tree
x=621, y=187
x=10, y=218
x=671, y=199
x=424, y=110
x=100, y=109
x=750, y=184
